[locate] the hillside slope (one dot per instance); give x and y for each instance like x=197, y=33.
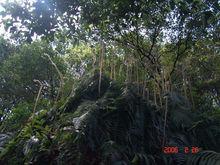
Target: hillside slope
x=116, y=126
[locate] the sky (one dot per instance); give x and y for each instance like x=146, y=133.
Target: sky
x=4, y=33
x=4, y=1
x=1, y=26
x=2, y=30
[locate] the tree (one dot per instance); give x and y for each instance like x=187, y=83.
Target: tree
x=194, y=18
x=21, y=68
x=131, y=23
x=6, y=49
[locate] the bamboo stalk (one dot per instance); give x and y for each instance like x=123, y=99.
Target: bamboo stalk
x=114, y=74
x=165, y=122
x=94, y=61
x=144, y=86
x=184, y=82
x=101, y=66
x=137, y=79
x=111, y=71
x=155, y=95
x=191, y=95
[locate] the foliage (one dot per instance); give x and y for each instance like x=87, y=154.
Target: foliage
x=195, y=17
x=17, y=118
x=116, y=127
x=5, y=49
x=206, y=157
x=79, y=59
x=20, y=70
x=109, y=82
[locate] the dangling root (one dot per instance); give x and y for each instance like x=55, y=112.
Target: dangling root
x=38, y=95
x=60, y=75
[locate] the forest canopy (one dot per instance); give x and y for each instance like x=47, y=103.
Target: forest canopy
x=78, y=75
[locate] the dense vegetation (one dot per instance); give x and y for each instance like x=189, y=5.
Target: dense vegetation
x=110, y=82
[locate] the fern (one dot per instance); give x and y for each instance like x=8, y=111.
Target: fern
x=204, y=157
